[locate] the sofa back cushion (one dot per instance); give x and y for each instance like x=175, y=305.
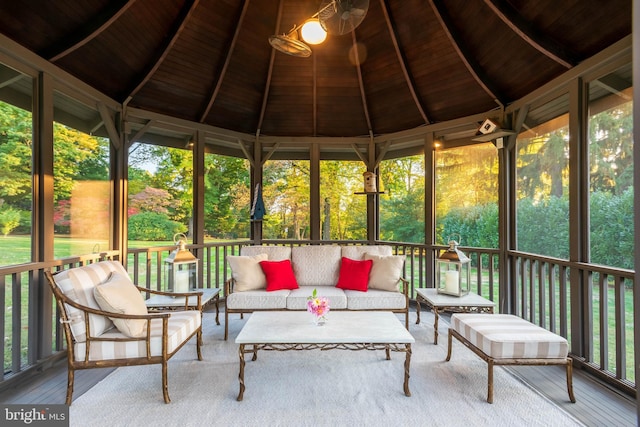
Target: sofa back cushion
x=354, y=274
x=385, y=272
x=357, y=251
x=316, y=265
x=274, y=253
x=78, y=284
x=247, y=272
x=119, y=295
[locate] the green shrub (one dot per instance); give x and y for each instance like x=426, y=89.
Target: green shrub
x=153, y=226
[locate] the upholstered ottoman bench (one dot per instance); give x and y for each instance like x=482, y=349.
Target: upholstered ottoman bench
x=504, y=339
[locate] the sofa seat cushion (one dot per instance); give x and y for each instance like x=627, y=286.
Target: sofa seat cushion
x=358, y=251
x=274, y=253
x=297, y=299
x=505, y=336
x=316, y=265
x=258, y=300
x=181, y=324
x=375, y=299
x=78, y=284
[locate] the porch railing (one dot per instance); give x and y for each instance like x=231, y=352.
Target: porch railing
x=540, y=290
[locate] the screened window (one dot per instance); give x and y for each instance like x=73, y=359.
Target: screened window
x=343, y=213
x=286, y=198
x=227, y=198
x=82, y=187
x=542, y=181
x=402, y=204
x=467, y=195
x=611, y=202
x=16, y=144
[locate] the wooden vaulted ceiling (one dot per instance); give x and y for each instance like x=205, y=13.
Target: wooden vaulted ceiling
x=418, y=61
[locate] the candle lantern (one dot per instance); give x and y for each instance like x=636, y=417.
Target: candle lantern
x=181, y=267
x=453, y=275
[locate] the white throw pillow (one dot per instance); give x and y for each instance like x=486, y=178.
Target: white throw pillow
x=385, y=272
x=119, y=295
x=247, y=273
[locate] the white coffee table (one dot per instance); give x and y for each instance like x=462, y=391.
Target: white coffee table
x=470, y=303
x=345, y=330
x=168, y=302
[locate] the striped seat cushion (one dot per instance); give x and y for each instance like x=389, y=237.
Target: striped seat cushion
x=504, y=336
x=181, y=325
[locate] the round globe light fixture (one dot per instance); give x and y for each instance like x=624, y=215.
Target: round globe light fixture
x=312, y=32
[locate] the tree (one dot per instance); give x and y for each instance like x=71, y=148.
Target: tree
x=402, y=207
x=9, y=220
x=286, y=196
x=227, y=196
x=15, y=156
x=151, y=200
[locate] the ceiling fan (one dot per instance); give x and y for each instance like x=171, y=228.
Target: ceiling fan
x=335, y=17
x=342, y=16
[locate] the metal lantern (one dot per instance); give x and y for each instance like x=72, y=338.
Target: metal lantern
x=453, y=274
x=181, y=267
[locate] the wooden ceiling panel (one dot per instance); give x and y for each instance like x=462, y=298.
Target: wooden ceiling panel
x=421, y=61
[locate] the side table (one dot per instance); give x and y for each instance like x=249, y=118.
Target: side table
x=167, y=302
x=470, y=303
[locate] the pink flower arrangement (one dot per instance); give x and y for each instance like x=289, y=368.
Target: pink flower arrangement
x=318, y=306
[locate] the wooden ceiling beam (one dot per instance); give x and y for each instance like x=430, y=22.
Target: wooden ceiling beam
x=402, y=62
x=363, y=94
x=87, y=32
x=227, y=60
x=267, y=85
x=181, y=22
x=457, y=43
x=528, y=33
x=315, y=96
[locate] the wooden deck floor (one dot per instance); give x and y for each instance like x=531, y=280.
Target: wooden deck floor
x=597, y=404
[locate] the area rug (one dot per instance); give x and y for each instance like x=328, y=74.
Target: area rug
x=316, y=388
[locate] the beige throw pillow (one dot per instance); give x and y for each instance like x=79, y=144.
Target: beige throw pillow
x=247, y=273
x=385, y=272
x=119, y=295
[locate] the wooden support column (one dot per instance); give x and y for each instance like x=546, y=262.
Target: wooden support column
x=197, y=148
x=506, y=225
x=373, y=205
x=40, y=296
x=636, y=194
x=581, y=287
x=429, y=208
x=256, y=178
x=314, y=196
x=119, y=172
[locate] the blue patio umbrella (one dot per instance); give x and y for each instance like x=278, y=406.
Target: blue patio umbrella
x=257, y=209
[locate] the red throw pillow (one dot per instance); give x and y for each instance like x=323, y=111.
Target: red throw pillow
x=279, y=275
x=354, y=274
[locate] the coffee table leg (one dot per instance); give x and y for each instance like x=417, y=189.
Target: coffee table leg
x=435, y=326
x=241, y=374
x=407, y=364
x=217, y=309
x=418, y=309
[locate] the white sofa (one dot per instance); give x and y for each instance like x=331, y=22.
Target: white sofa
x=316, y=267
